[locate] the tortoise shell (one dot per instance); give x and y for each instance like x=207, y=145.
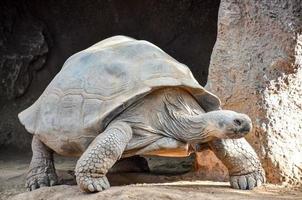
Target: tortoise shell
x=98, y=83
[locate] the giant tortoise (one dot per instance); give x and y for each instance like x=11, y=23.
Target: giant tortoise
x=123, y=97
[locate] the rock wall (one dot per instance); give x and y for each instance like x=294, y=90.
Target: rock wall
x=256, y=68
x=24, y=48
x=36, y=37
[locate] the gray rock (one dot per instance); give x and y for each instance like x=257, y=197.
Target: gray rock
x=23, y=51
x=256, y=68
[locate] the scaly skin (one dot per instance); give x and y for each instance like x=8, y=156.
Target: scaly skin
x=41, y=171
x=100, y=156
x=242, y=162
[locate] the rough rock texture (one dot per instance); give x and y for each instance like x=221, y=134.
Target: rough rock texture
x=24, y=46
x=208, y=166
x=22, y=52
x=36, y=37
x=256, y=68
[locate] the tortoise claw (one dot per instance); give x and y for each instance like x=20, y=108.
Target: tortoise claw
x=90, y=184
x=41, y=176
x=247, y=181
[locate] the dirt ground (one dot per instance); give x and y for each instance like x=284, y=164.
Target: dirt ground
x=13, y=167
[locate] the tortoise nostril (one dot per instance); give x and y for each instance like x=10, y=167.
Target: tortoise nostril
x=238, y=122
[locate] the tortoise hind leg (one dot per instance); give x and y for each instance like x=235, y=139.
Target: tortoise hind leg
x=41, y=170
x=100, y=156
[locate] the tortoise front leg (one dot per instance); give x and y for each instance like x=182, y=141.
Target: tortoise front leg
x=242, y=162
x=100, y=156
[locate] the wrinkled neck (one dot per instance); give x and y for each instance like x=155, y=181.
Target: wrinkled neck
x=194, y=128
x=190, y=128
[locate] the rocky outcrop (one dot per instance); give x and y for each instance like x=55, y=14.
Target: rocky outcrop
x=23, y=51
x=209, y=167
x=256, y=68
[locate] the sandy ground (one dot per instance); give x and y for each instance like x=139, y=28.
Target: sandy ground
x=13, y=167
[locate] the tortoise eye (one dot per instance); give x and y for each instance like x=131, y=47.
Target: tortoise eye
x=237, y=122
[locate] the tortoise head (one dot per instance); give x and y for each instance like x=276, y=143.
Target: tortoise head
x=221, y=124
x=226, y=124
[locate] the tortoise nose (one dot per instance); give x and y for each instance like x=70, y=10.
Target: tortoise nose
x=244, y=126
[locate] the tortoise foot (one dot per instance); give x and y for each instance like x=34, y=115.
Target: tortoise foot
x=91, y=184
x=42, y=175
x=247, y=181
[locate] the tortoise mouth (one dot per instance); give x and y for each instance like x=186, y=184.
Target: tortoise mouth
x=238, y=133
